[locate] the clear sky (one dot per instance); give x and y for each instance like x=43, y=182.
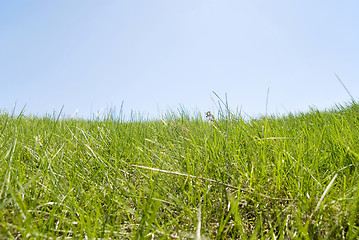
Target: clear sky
x=155, y=55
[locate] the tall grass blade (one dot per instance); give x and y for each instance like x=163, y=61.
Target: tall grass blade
x=346, y=89
x=199, y=220
x=267, y=98
x=325, y=193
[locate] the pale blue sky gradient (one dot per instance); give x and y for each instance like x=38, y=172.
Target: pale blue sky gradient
x=155, y=55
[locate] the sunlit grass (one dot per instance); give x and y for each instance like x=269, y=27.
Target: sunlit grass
x=273, y=177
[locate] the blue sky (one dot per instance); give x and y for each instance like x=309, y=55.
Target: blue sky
x=157, y=55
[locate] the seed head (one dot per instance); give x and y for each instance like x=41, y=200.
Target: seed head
x=210, y=116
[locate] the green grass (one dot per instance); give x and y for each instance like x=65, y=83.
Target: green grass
x=290, y=177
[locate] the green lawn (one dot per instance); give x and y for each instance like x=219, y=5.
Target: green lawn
x=291, y=177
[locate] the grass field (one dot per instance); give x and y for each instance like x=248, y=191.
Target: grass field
x=182, y=177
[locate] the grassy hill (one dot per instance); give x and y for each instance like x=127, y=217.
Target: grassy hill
x=182, y=177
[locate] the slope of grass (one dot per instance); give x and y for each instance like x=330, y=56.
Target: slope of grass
x=182, y=177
